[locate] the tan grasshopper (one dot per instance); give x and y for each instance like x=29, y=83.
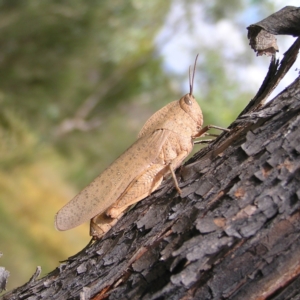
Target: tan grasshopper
x=165, y=140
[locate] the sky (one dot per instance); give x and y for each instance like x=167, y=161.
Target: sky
x=178, y=44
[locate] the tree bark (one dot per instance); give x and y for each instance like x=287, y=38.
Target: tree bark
x=233, y=233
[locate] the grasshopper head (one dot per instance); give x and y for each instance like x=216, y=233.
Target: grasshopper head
x=189, y=104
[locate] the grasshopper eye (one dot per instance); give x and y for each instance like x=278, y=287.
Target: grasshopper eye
x=187, y=100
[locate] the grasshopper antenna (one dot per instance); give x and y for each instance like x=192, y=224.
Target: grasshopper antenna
x=191, y=78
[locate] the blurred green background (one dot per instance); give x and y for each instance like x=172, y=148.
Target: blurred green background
x=77, y=81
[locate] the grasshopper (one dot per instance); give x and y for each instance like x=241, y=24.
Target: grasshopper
x=165, y=140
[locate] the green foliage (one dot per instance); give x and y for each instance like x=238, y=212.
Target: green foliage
x=17, y=143
x=55, y=54
x=222, y=99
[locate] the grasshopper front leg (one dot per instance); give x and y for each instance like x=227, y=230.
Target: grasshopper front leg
x=203, y=132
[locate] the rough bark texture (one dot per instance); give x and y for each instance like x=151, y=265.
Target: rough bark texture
x=285, y=21
x=234, y=233
x=261, y=34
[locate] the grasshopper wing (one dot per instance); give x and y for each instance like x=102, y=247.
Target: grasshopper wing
x=109, y=186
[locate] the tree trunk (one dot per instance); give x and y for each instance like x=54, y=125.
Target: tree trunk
x=233, y=233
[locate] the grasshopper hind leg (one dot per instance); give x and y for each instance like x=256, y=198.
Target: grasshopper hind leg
x=102, y=223
x=139, y=189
